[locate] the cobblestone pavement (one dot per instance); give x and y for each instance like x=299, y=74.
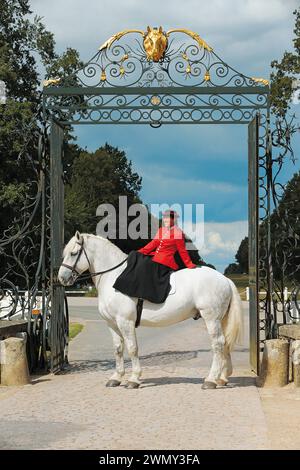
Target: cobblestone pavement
x=74, y=410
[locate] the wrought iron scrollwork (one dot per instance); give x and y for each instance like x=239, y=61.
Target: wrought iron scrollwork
x=190, y=83
x=285, y=222
x=24, y=280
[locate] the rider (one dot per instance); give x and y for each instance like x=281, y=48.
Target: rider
x=168, y=239
x=148, y=270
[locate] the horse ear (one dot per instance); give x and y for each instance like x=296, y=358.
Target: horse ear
x=160, y=29
x=148, y=29
x=78, y=236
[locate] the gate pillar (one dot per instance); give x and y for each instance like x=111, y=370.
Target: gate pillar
x=253, y=218
x=57, y=320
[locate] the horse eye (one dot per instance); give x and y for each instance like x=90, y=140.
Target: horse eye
x=73, y=253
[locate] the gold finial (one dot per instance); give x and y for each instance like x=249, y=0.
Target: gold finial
x=264, y=81
x=103, y=76
x=188, y=69
x=51, y=81
x=122, y=70
x=207, y=76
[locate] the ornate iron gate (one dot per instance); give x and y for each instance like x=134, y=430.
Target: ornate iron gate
x=156, y=80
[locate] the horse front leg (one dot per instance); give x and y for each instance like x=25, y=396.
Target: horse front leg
x=219, y=362
x=127, y=328
x=117, y=376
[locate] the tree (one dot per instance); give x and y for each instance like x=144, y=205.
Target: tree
x=98, y=177
x=242, y=256
x=285, y=225
x=285, y=77
x=24, y=41
x=233, y=268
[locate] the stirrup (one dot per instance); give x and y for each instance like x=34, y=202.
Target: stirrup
x=139, y=309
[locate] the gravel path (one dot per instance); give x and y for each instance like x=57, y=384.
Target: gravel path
x=75, y=410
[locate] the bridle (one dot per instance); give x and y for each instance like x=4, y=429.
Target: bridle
x=75, y=273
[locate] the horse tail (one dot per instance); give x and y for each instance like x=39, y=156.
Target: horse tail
x=233, y=320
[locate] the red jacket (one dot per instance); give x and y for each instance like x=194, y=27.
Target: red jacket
x=165, y=244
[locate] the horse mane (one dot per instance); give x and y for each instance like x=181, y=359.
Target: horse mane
x=91, y=235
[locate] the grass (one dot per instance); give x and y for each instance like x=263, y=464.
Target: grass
x=74, y=330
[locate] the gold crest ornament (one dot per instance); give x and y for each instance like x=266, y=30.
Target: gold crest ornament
x=155, y=41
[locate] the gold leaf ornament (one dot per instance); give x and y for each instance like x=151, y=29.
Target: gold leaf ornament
x=193, y=35
x=51, y=81
x=264, y=81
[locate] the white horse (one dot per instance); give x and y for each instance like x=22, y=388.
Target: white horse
x=200, y=290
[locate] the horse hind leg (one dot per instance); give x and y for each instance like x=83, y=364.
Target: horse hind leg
x=227, y=369
x=219, y=362
x=116, y=379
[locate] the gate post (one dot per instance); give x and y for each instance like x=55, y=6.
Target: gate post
x=57, y=320
x=253, y=217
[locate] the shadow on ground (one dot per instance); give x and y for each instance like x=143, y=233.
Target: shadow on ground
x=155, y=359
x=233, y=382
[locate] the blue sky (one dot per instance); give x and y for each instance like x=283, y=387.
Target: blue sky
x=185, y=164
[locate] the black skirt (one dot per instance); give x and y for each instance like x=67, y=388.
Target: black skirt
x=144, y=278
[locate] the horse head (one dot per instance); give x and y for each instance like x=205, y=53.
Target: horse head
x=75, y=260
x=155, y=43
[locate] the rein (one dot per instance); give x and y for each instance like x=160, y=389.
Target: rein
x=75, y=273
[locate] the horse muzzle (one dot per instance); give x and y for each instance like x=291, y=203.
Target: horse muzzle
x=67, y=277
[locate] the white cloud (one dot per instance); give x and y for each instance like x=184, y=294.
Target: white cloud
x=225, y=237
x=221, y=241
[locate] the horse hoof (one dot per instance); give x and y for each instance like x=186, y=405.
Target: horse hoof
x=132, y=385
x=113, y=383
x=209, y=386
x=222, y=382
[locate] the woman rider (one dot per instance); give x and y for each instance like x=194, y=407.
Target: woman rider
x=147, y=274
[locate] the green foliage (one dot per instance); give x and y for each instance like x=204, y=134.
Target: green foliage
x=242, y=256
x=98, y=177
x=233, y=268
x=24, y=41
x=285, y=225
x=285, y=73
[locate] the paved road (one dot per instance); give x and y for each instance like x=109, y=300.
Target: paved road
x=75, y=410
x=159, y=344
